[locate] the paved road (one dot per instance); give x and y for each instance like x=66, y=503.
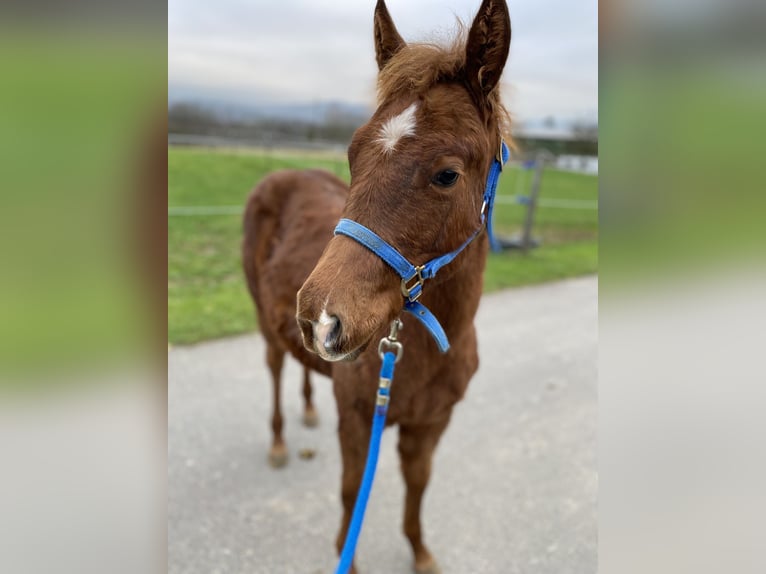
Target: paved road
x=514, y=485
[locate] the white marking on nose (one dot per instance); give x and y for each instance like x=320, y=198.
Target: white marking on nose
x=322, y=329
x=325, y=319
x=398, y=127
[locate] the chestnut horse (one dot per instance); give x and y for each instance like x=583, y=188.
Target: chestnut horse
x=418, y=174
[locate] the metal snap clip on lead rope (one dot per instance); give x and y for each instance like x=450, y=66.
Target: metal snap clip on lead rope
x=390, y=343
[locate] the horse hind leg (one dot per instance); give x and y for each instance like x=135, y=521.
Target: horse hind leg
x=278, y=451
x=310, y=415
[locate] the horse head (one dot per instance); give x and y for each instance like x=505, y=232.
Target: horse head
x=418, y=173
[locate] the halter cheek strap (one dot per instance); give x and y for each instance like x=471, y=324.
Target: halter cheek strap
x=414, y=276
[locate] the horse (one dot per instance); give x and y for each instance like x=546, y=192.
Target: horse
x=418, y=172
x=288, y=220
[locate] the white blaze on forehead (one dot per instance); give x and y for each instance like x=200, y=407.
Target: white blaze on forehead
x=398, y=127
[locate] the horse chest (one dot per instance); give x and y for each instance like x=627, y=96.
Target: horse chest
x=425, y=401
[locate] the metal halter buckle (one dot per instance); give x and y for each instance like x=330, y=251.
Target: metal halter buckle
x=408, y=289
x=390, y=344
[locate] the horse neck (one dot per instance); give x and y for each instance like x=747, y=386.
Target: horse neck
x=454, y=299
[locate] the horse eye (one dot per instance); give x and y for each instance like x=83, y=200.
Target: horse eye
x=446, y=178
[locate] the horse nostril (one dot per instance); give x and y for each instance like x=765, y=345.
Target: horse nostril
x=332, y=338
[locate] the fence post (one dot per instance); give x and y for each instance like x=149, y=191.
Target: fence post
x=526, y=236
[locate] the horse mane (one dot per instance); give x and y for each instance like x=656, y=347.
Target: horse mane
x=418, y=66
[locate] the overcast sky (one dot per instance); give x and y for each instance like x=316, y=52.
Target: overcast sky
x=298, y=51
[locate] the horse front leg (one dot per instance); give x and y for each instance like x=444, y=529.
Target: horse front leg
x=416, y=447
x=354, y=434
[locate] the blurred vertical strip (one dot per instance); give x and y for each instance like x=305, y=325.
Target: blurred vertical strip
x=682, y=316
x=83, y=161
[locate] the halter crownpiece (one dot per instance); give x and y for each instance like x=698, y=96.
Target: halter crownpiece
x=414, y=276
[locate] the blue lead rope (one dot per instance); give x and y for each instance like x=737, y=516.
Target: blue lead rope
x=413, y=276
x=378, y=424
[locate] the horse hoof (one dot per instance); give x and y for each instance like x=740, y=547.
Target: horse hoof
x=310, y=418
x=428, y=566
x=278, y=456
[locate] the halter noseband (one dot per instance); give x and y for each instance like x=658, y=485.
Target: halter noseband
x=413, y=276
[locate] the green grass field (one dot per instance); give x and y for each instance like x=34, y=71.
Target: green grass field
x=207, y=297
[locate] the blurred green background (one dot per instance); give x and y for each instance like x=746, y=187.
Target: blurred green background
x=77, y=116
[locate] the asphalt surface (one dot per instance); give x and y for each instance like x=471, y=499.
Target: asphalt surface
x=514, y=483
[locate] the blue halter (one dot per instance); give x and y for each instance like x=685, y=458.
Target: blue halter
x=413, y=276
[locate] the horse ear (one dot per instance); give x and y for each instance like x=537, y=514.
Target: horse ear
x=387, y=40
x=487, y=48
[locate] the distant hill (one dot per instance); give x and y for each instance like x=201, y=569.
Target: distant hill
x=312, y=112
